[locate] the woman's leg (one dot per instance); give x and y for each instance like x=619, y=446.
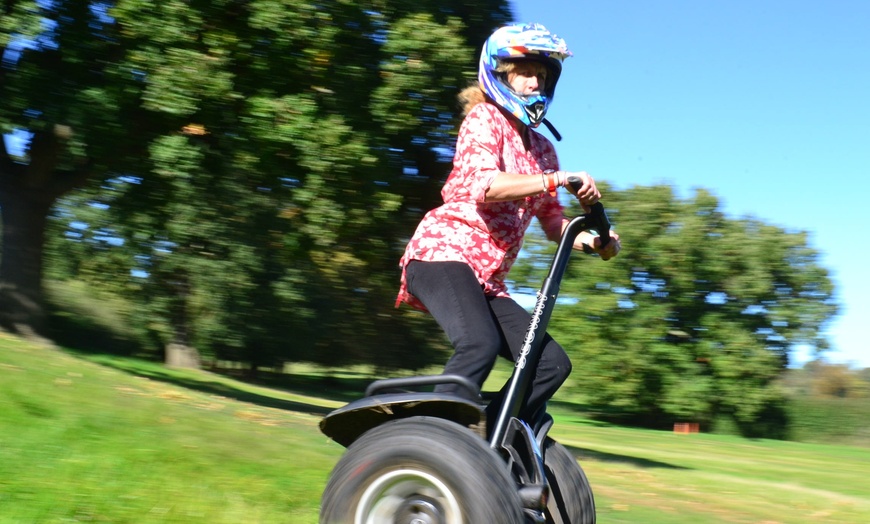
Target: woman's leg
x=454, y=297
x=553, y=367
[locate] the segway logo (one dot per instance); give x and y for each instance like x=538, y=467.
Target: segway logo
x=533, y=328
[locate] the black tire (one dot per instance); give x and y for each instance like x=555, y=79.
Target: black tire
x=421, y=470
x=571, y=500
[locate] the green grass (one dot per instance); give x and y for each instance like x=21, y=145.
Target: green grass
x=646, y=476
x=83, y=442
x=108, y=439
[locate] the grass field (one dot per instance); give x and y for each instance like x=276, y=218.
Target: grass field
x=105, y=439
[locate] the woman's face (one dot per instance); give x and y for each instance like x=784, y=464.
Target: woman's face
x=527, y=78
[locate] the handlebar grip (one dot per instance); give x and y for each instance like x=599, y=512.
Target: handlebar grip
x=597, y=218
x=575, y=182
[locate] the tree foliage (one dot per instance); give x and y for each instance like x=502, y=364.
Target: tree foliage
x=695, y=318
x=57, y=83
x=250, y=162
x=246, y=173
x=820, y=379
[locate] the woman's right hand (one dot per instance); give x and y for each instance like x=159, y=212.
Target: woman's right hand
x=588, y=194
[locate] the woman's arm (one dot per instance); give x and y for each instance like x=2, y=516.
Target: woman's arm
x=513, y=186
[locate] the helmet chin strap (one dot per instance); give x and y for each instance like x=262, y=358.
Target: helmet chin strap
x=552, y=129
x=534, y=115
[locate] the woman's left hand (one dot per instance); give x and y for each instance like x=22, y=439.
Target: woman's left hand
x=593, y=243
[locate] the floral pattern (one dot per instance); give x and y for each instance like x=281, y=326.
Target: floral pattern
x=487, y=236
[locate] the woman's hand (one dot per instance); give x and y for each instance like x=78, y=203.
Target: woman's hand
x=588, y=194
x=589, y=242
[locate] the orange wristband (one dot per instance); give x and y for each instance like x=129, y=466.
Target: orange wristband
x=551, y=184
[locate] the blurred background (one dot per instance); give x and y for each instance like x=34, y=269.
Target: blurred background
x=231, y=184
x=762, y=104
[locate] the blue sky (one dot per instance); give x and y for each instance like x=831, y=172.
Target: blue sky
x=764, y=103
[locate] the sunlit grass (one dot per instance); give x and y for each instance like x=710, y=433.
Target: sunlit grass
x=83, y=442
x=647, y=476
x=109, y=439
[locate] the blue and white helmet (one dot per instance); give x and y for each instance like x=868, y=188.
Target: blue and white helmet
x=521, y=41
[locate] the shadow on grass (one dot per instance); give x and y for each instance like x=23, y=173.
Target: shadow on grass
x=221, y=389
x=350, y=386
x=601, y=456
x=328, y=388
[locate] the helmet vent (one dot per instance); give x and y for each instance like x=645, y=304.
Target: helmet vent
x=536, y=112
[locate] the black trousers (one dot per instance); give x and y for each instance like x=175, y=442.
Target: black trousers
x=482, y=328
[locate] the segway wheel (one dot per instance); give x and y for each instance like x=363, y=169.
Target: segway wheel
x=420, y=470
x=571, y=500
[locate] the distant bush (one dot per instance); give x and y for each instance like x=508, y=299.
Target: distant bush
x=84, y=319
x=829, y=420
x=806, y=418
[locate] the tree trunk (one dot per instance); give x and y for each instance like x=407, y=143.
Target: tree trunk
x=182, y=356
x=179, y=352
x=27, y=192
x=22, y=306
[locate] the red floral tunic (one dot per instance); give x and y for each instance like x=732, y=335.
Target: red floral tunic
x=485, y=235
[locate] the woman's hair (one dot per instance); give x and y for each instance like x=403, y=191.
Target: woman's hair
x=474, y=94
x=470, y=97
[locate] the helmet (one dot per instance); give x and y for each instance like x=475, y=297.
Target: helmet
x=517, y=42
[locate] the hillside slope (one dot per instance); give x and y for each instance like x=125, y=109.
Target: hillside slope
x=84, y=442
x=107, y=439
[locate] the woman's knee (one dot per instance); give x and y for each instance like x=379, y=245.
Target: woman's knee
x=558, y=362
x=484, y=345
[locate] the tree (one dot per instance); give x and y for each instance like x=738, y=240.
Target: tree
x=46, y=90
x=260, y=162
x=696, y=316
x=822, y=379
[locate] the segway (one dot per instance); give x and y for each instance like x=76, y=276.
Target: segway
x=420, y=457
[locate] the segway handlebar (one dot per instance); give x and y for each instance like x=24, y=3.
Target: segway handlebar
x=596, y=219
x=530, y=353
